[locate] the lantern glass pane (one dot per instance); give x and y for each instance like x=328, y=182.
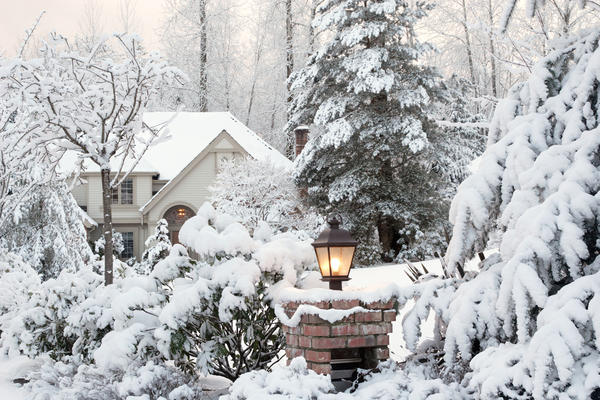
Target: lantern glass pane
x=341, y=259
x=323, y=260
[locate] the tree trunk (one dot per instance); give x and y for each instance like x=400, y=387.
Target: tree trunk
x=311, y=29
x=203, y=106
x=289, y=66
x=468, y=45
x=492, y=51
x=107, y=227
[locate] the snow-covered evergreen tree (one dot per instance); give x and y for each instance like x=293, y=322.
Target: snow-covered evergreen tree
x=531, y=316
x=370, y=101
x=158, y=247
x=47, y=229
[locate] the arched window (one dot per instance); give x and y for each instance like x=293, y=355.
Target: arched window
x=175, y=217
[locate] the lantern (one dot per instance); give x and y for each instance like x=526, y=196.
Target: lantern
x=335, y=251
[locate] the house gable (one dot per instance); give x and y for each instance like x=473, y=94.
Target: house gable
x=203, y=169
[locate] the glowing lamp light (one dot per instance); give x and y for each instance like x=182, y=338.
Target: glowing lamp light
x=181, y=213
x=335, y=251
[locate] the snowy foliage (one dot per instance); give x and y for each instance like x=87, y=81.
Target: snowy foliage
x=297, y=382
x=259, y=190
x=370, y=101
x=40, y=324
x=158, y=247
x=18, y=281
x=218, y=319
x=531, y=311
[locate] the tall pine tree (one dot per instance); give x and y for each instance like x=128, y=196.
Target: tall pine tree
x=369, y=101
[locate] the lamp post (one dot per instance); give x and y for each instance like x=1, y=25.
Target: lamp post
x=335, y=251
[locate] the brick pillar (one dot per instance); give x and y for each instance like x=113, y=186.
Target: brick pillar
x=319, y=341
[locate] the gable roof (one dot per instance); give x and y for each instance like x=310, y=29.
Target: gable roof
x=191, y=132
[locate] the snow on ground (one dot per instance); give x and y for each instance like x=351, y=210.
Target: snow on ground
x=10, y=370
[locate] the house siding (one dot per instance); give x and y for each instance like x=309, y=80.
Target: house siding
x=191, y=191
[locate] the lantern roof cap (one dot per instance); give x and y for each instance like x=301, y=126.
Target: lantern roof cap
x=334, y=235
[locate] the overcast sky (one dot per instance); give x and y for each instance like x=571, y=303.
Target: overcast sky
x=65, y=16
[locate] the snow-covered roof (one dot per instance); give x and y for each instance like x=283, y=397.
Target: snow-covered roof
x=189, y=133
x=192, y=132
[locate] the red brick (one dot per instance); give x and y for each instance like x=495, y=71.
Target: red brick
x=349, y=318
x=381, y=305
x=375, y=329
x=315, y=330
x=291, y=330
x=345, y=330
x=389, y=315
x=328, y=343
x=344, y=304
x=291, y=340
x=374, y=316
x=382, y=353
x=324, y=369
x=304, y=318
x=291, y=304
x=362, y=341
x=383, y=340
x=315, y=319
x=304, y=341
x=292, y=352
x=318, y=356
x=324, y=305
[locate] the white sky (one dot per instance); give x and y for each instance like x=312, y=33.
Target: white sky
x=65, y=16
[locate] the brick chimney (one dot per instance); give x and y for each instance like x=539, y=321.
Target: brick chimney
x=359, y=340
x=301, y=134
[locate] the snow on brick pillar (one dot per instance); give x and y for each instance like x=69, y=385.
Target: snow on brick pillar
x=361, y=336
x=301, y=134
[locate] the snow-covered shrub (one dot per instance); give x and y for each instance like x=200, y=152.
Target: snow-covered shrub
x=260, y=190
x=531, y=316
x=40, y=325
x=118, y=320
x=46, y=229
x=388, y=381
x=157, y=245
x=150, y=381
x=17, y=283
x=218, y=318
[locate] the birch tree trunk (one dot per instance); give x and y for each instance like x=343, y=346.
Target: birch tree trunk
x=493, y=54
x=203, y=106
x=107, y=227
x=468, y=46
x=289, y=65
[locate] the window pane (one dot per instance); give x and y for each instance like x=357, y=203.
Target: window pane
x=323, y=259
x=341, y=258
x=115, y=196
x=127, y=244
x=127, y=191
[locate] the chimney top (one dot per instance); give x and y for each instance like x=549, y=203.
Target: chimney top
x=301, y=134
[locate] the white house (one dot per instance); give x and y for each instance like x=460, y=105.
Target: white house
x=173, y=177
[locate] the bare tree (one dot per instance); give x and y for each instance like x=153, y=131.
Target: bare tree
x=92, y=106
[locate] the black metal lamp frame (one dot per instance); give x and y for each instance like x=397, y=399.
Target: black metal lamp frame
x=335, y=237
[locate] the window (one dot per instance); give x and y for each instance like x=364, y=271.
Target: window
x=127, y=191
x=124, y=193
x=127, y=245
